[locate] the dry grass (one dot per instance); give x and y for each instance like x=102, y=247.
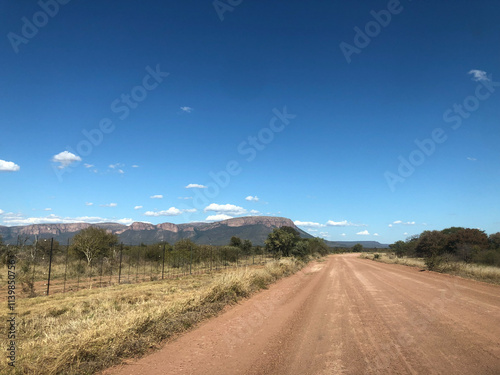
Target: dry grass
x=471, y=271
x=86, y=331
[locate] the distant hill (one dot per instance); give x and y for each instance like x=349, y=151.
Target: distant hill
x=253, y=228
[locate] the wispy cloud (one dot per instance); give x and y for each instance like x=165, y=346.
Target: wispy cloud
x=343, y=223
x=363, y=233
x=252, y=198
x=172, y=211
x=157, y=196
x=187, y=109
x=400, y=222
x=135, y=166
x=65, y=159
x=86, y=165
x=195, y=186
x=479, y=75
x=471, y=159
x=308, y=224
x=125, y=221
x=218, y=217
x=117, y=165
x=19, y=219
x=137, y=207
x=229, y=209
x=109, y=205
x=89, y=204
x=47, y=209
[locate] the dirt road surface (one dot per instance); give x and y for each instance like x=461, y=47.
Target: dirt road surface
x=345, y=316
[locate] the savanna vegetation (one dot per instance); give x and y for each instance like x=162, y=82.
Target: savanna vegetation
x=84, y=331
x=460, y=251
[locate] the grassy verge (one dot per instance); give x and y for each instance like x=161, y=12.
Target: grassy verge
x=86, y=331
x=477, y=272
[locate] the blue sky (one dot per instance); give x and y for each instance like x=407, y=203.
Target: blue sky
x=359, y=120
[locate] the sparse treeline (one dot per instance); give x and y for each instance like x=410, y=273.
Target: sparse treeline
x=95, y=258
x=451, y=244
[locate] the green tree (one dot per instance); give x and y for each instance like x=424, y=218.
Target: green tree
x=431, y=243
x=317, y=245
x=93, y=242
x=399, y=248
x=235, y=241
x=466, y=238
x=301, y=250
x=358, y=248
x=246, y=246
x=282, y=240
x=494, y=240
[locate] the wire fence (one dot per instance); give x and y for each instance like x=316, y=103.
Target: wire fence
x=56, y=269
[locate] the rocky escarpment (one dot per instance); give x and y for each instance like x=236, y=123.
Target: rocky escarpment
x=255, y=228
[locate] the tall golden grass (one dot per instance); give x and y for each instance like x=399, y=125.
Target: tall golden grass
x=477, y=272
x=89, y=330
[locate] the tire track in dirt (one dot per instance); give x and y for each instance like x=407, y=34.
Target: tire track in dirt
x=344, y=316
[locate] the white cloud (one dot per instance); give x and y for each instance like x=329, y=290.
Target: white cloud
x=363, y=233
x=8, y=166
x=187, y=109
x=390, y=225
x=89, y=204
x=478, y=75
x=376, y=234
x=405, y=233
x=158, y=196
x=252, y=199
x=254, y=212
x=88, y=165
x=308, y=224
x=197, y=186
x=218, y=217
x=343, y=234
x=324, y=234
x=125, y=221
x=230, y=209
x=137, y=207
x=47, y=209
x=343, y=223
x=109, y=205
x=117, y=165
x=65, y=158
x=402, y=223
x=19, y=219
x=471, y=159
x=135, y=166
x=185, y=197
x=172, y=211
x=2, y=212
x=121, y=171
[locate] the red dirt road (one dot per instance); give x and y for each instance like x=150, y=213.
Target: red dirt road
x=345, y=316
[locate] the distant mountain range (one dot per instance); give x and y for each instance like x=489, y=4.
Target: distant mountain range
x=253, y=228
